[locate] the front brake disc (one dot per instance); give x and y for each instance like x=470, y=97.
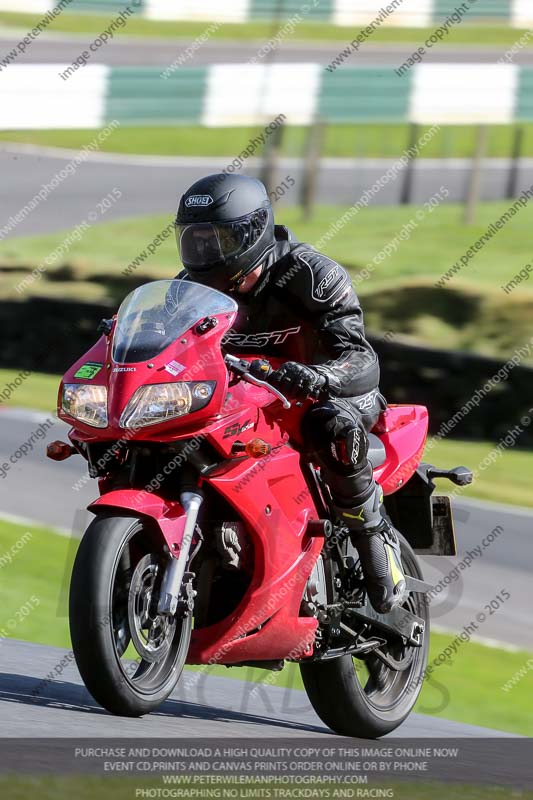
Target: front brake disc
x=151, y=633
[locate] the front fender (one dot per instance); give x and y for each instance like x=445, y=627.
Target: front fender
x=169, y=515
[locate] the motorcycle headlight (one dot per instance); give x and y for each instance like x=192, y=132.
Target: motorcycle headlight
x=160, y=402
x=86, y=403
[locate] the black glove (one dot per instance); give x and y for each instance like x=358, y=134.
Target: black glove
x=296, y=380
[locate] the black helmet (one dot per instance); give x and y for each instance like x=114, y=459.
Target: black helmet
x=224, y=229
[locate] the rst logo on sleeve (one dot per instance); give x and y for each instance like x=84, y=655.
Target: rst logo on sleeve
x=329, y=281
x=196, y=200
x=326, y=282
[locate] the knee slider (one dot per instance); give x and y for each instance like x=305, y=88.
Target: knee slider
x=351, y=443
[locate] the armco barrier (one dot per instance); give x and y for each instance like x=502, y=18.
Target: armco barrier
x=408, y=13
x=35, y=96
x=442, y=380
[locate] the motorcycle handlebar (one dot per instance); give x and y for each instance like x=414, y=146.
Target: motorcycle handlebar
x=262, y=369
x=258, y=371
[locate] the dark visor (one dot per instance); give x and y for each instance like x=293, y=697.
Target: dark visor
x=202, y=244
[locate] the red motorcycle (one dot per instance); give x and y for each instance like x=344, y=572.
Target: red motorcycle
x=213, y=540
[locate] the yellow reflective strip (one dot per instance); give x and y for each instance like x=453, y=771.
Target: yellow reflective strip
x=396, y=573
x=359, y=516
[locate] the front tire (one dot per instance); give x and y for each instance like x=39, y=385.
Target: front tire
x=113, y=618
x=377, y=703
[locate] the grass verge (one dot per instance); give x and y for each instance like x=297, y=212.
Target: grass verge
x=506, y=480
x=467, y=689
x=340, y=141
x=34, y=585
x=32, y=390
x=471, y=312
x=434, y=244
x=262, y=31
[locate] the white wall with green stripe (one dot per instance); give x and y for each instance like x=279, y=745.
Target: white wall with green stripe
x=34, y=96
x=414, y=13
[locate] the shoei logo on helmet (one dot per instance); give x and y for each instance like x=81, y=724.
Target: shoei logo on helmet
x=198, y=200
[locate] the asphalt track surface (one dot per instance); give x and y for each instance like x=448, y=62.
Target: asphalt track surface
x=48, y=492
x=130, y=51
x=202, y=705
x=153, y=184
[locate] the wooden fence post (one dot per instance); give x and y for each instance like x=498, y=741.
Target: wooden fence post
x=407, y=187
x=311, y=166
x=474, y=184
x=271, y=157
x=516, y=155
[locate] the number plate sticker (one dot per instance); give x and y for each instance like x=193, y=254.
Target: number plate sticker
x=89, y=370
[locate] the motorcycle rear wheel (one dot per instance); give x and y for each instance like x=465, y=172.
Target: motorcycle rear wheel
x=113, y=618
x=375, y=700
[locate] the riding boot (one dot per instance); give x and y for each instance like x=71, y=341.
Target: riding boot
x=378, y=547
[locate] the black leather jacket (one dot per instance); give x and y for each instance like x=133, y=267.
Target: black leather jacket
x=304, y=309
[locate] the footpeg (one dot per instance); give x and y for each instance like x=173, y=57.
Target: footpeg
x=416, y=585
x=399, y=621
x=461, y=476
x=319, y=528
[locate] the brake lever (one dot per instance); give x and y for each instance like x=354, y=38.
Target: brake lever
x=265, y=385
x=241, y=367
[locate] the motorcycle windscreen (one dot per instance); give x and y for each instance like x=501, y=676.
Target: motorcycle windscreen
x=156, y=314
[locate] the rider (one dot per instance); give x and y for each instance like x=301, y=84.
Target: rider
x=299, y=305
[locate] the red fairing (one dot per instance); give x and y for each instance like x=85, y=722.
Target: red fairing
x=274, y=501
x=167, y=514
x=403, y=431
x=269, y=494
x=198, y=357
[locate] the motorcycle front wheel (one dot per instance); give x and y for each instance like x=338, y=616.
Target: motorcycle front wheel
x=129, y=657
x=365, y=698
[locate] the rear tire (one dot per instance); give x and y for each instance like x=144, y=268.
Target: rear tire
x=350, y=708
x=116, y=554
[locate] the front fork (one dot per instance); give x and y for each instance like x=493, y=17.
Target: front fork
x=169, y=596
